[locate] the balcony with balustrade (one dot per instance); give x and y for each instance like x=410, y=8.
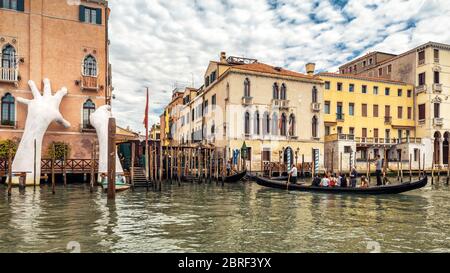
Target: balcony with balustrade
x=247, y=100
x=280, y=104
x=89, y=83
x=315, y=107
x=421, y=89
x=9, y=75
x=437, y=88
x=438, y=121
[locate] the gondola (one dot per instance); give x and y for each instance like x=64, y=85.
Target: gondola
x=385, y=189
x=234, y=178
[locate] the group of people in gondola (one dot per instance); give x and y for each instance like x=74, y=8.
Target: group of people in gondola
x=341, y=180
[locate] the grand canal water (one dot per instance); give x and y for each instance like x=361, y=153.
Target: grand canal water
x=233, y=218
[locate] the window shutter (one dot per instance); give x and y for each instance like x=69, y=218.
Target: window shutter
x=99, y=16
x=20, y=5
x=82, y=14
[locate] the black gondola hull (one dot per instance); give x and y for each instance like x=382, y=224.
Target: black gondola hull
x=234, y=178
x=386, y=189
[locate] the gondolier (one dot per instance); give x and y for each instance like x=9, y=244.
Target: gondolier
x=379, y=166
x=293, y=173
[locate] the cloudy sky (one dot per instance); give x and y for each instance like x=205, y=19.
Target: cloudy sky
x=163, y=43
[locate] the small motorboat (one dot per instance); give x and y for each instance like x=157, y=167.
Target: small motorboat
x=121, y=184
x=385, y=189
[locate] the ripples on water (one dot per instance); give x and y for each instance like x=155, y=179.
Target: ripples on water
x=234, y=218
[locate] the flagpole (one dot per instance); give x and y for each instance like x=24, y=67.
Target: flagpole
x=146, y=138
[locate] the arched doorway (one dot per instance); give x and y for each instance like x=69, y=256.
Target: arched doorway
x=445, y=147
x=437, y=148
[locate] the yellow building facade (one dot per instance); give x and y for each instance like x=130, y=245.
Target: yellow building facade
x=365, y=117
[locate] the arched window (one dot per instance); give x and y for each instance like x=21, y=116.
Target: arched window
x=88, y=109
x=275, y=124
x=247, y=88
x=90, y=66
x=292, y=125
x=314, y=127
x=9, y=59
x=283, y=124
x=8, y=116
x=314, y=94
x=276, y=94
x=266, y=123
x=283, y=92
x=257, y=130
x=9, y=64
x=247, y=123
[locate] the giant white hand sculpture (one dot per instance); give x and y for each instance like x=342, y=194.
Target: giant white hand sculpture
x=42, y=110
x=99, y=119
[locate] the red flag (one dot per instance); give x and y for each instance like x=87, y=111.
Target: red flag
x=146, y=118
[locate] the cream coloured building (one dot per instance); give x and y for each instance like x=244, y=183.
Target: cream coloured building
x=270, y=108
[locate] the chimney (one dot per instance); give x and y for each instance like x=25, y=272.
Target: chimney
x=310, y=67
x=223, y=57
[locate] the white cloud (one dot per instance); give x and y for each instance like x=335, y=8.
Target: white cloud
x=156, y=43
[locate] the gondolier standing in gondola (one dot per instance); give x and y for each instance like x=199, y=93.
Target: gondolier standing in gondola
x=379, y=166
x=228, y=168
x=293, y=173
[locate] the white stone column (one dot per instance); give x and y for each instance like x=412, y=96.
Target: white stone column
x=441, y=152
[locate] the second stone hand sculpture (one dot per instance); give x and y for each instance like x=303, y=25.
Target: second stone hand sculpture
x=99, y=119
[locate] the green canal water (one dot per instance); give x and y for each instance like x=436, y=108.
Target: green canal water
x=234, y=218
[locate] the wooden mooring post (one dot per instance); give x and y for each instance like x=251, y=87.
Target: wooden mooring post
x=9, y=171
x=34, y=166
x=111, y=158
x=64, y=164
x=161, y=165
x=91, y=184
x=410, y=167
x=423, y=166
x=133, y=155
x=420, y=167
x=53, y=169
x=432, y=173
x=303, y=165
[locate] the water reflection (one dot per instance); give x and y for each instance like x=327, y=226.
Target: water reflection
x=230, y=218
